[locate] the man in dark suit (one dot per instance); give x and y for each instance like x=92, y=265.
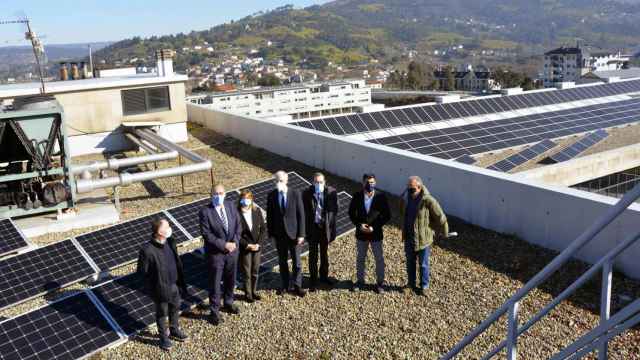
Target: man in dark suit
x=320, y=207
x=221, y=228
x=369, y=212
x=161, y=270
x=286, y=225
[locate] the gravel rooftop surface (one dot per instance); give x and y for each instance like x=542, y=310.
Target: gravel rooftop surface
x=471, y=276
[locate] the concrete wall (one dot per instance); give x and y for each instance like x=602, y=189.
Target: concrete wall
x=548, y=216
x=98, y=111
x=586, y=168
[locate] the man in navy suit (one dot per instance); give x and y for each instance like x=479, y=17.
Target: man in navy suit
x=286, y=226
x=221, y=228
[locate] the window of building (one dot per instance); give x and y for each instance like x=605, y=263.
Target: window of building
x=140, y=101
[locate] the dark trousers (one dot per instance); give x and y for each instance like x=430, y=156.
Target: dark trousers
x=318, y=240
x=285, y=248
x=222, y=269
x=169, y=309
x=250, y=264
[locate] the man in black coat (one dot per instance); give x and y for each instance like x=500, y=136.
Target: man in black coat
x=221, y=230
x=161, y=270
x=286, y=225
x=320, y=208
x=369, y=212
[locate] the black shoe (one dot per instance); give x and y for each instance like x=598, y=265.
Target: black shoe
x=379, y=289
x=357, y=286
x=257, y=297
x=299, y=292
x=178, y=335
x=232, y=309
x=281, y=291
x=313, y=286
x=165, y=343
x=420, y=291
x=215, y=319
x=249, y=298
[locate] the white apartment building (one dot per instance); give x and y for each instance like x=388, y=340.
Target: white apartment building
x=569, y=64
x=289, y=103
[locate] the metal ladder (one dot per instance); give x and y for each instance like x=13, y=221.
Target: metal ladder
x=596, y=339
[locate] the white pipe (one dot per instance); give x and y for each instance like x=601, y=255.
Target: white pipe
x=114, y=164
x=166, y=145
x=141, y=144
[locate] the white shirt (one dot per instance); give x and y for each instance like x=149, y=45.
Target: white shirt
x=367, y=201
x=248, y=217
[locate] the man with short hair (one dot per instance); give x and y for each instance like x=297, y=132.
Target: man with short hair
x=320, y=207
x=423, y=219
x=286, y=225
x=161, y=270
x=369, y=212
x=221, y=229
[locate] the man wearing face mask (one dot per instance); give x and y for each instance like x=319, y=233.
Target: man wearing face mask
x=161, y=270
x=286, y=225
x=320, y=207
x=221, y=230
x=423, y=219
x=369, y=212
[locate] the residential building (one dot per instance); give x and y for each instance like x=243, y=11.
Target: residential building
x=468, y=80
x=288, y=103
x=569, y=64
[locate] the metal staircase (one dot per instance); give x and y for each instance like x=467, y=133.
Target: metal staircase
x=596, y=339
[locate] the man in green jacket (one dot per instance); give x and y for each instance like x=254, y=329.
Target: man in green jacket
x=423, y=220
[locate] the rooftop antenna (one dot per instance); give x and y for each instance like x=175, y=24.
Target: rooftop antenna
x=36, y=45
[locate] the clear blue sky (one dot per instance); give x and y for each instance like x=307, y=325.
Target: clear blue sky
x=65, y=21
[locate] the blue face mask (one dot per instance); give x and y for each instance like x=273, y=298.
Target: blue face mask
x=217, y=200
x=245, y=202
x=370, y=187
x=319, y=187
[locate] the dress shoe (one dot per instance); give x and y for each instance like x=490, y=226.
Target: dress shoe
x=215, y=319
x=232, y=309
x=178, y=335
x=299, y=292
x=165, y=343
x=257, y=297
x=281, y=292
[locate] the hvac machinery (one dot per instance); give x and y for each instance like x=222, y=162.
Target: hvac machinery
x=34, y=158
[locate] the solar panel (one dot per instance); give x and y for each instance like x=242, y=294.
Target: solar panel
x=11, y=239
x=187, y=215
x=42, y=270
x=70, y=328
x=579, y=146
x=343, y=223
x=425, y=114
x=447, y=143
x=466, y=159
x=118, y=245
x=523, y=156
x=134, y=311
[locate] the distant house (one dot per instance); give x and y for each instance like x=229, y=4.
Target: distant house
x=468, y=80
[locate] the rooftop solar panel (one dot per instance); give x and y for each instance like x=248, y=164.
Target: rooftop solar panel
x=578, y=147
x=500, y=134
x=523, y=156
x=11, y=239
x=343, y=223
x=466, y=159
x=425, y=114
x=30, y=274
x=118, y=245
x=134, y=311
x=71, y=328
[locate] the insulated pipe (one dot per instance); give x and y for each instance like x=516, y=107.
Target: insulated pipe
x=115, y=164
x=141, y=144
x=166, y=145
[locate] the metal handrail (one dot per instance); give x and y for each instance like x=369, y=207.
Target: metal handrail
x=511, y=305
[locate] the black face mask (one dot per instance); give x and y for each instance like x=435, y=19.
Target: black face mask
x=369, y=187
x=412, y=190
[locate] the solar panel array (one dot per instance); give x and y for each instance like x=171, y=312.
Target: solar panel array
x=454, y=142
x=118, y=245
x=42, y=270
x=579, y=146
x=70, y=328
x=11, y=240
x=343, y=223
x=466, y=159
x=359, y=123
x=523, y=156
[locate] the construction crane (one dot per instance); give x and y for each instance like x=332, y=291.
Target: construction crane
x=36, y=45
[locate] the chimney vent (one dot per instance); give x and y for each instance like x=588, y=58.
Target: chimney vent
x=164, y=65
x=64, y=72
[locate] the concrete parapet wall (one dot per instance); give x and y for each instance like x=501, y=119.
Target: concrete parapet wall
x=548, y=216
x=586, y=168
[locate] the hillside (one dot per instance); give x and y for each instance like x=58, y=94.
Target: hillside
x=351, y=31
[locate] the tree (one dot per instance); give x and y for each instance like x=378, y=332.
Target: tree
x=450, y=79
x=416, y=76
x=269, y=80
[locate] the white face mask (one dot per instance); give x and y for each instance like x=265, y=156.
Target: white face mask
x=281, y=186
x=168, y=233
